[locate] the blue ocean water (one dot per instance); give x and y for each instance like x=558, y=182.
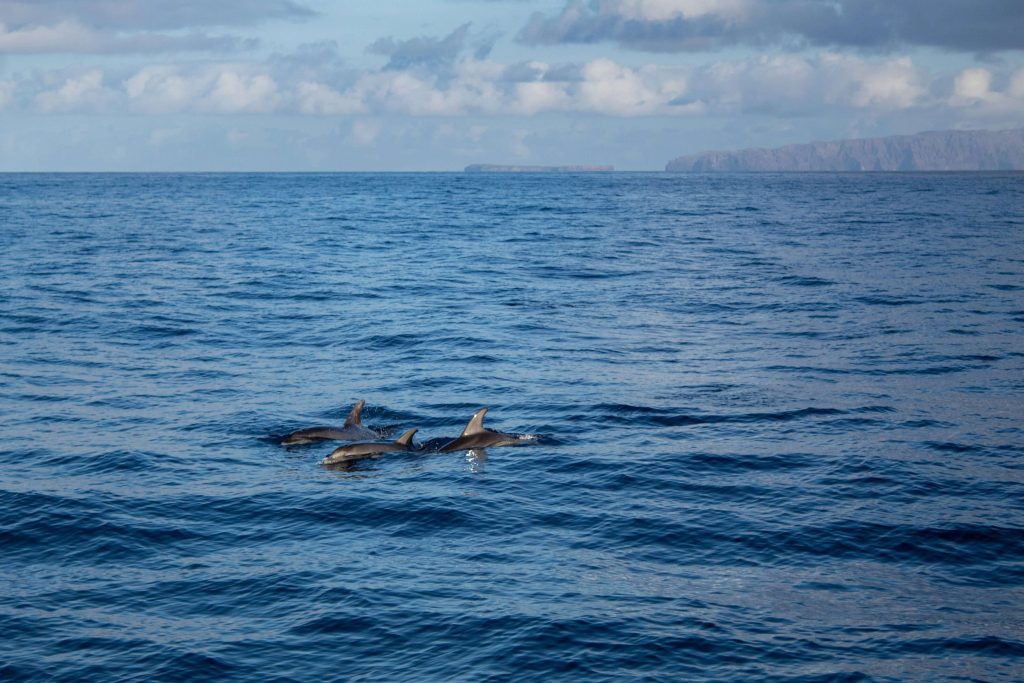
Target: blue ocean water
x=781, y=418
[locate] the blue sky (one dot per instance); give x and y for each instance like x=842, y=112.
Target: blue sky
x=168, y=85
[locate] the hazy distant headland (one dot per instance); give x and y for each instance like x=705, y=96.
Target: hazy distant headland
x=500, y=168
x=942, y=150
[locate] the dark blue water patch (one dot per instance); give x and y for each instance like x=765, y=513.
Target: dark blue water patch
x=879, y=300
x=639, y=415
x=1005, y=450
x=951, y=447
x=985, y=646
x=87, y=540
x=798, y=281
x=738, y=463
x=931, y=547
x=910, y=368
x=779, y=420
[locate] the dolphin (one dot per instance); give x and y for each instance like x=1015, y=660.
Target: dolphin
x=352, y=431
x=475, y=435
x=366, y=449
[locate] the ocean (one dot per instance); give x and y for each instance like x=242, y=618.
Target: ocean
x=781, y=424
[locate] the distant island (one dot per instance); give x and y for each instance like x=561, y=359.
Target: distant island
x=499, y=168
x=944, y=150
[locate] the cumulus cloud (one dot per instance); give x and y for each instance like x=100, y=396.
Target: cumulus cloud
x=76, y=93
x=609, y=88
x=698, y=25
x=218, y=88
x=312, y=97
x=473, y=87
x=974, y=90
x=794, y=85
x=891, y=84
x=533, y=97
x=234, y=92
x=973, y=84
x=312, y=81
x=775, y=84
x=161, y=89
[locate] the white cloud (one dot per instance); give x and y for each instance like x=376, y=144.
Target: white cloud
x=973, y=91
x=474, y=88
x=322, y=100
x=774, y=85
x=402, y=92
x=792, y=84
x=766, y=83
x=537, y=96
x=973, y=84
x=894, y=84
x=222, y=89
x=84, y=92
x=161, y=89
x=233, y=92
x=609, y=88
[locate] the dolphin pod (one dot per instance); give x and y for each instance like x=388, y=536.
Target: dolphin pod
x=366, y=442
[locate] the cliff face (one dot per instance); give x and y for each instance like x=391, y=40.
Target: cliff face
x=949, y=150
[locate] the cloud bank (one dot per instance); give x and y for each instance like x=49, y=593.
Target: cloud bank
x=132, y=26
x=150, y=14
x=703, y=25
x=783, y=85
x=69, y=37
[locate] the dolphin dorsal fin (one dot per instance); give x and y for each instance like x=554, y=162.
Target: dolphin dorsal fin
x=406, y=439
x=355, y=417
x=476, y=423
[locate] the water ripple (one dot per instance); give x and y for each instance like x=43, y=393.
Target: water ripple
x=779, y=416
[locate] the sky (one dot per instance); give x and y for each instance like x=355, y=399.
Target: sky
x=435, y=85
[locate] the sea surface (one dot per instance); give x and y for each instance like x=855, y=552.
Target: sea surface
x=781, y=419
